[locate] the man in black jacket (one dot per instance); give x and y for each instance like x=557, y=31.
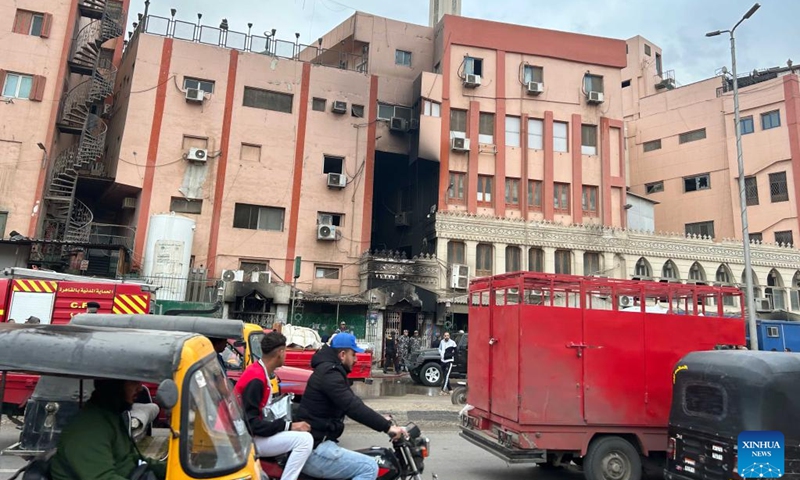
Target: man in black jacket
x=326, y=401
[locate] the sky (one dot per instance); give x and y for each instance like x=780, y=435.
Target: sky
x=768, y=39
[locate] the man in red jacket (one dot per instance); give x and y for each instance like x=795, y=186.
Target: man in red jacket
x=272, y=438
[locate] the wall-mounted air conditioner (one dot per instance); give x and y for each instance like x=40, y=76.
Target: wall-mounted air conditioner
x=326, y=232
x=195, y=95
x=339, y=106
x=233, y=275
x=459, y=144
x=398, y=124
x=594, y=97
x=459, y=276
x=535, y=88
x=337, y=180
x=471, y=80
x=199, y=155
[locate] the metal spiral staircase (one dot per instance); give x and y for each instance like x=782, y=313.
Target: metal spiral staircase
x=70, y=220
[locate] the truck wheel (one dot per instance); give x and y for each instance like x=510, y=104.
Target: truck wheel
x=459, y=396
x=431, y=374
x=612, y=458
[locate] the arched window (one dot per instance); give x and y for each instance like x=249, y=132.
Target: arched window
x=643, y=269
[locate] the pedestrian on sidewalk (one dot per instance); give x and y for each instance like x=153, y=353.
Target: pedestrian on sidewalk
x=402, y=349
x=447, y=354
x=390, y=353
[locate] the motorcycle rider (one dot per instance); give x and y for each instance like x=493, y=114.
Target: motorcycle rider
x=326, y=401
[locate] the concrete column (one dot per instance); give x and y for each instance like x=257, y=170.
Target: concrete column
x=282, y=313
x=499, y=258
x=441, y=254
x=577, y=262
x=472, y=257
x=549, y=259
x=608, y=266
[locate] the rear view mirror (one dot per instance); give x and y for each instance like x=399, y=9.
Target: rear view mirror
x=167, y=394
x=239, y=344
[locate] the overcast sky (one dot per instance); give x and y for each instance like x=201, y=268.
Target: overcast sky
x=767, y=39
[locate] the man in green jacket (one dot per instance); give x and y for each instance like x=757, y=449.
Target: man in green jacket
x=96, y=444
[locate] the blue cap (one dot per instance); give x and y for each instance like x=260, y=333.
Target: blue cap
x=346, y=340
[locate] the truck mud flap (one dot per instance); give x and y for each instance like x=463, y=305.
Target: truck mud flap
x=508, y=454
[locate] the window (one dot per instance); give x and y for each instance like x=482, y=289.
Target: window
x=561, y=197
x=251, y=153
x=484, y=189
x=185, y=205
x=654, y=187
x=335, y=219
x=513, y=259
x=647, y=49
x=204, y=85
x=3, y=223
x=560, y=137
x=357, y=111
x=512, y=191
x=402, y=57
x=483, y=260
x=256, y=217
x=473, y=66
x=333, y=164
x=589, y=200
x=532, y=73
x=456, y=190
x=703, y=229
x=535, y=134
x=456, y=253
x=593, y=83
x=784, y=237
x=626, y=83
x=773, y=332
x=535, y=260
x=692, y=136
x=432, y=109
x=589, y=139
x=704, y=400
x=318, y=104
x=563, y=261
x=512, y=131
x=756, y=237
x=770, y=120
x=486, y=128
x=779, y=192
x=751, y=190
x=385, y=112
x=250, y=266
x=326, y=273
x=699, y=182
x=746, y=124
x=535, y=194
x=458, y=120
x=652, y=145
x=18, y=86
x=591, y=263
x=267, y=99
x=33, y=23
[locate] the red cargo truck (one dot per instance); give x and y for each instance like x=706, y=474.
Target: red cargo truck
x=566, y=368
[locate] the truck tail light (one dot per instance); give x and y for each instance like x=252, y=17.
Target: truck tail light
x=672, y=451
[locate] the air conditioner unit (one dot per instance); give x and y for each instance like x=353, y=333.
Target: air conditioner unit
x=398, y=124
x=471, y=80
x=265, y=277
x=339, y=107
x=129, y=202
x=197, y=155
x=413, y=125
x=233, y=275
x=195, y=95
x=594, y=97
x=535, y=88
x=337, y=180
x=459, y=144
x=402, y=219
x=626, y=301
x=459, y=277
x=764, y=304
x=326, y=232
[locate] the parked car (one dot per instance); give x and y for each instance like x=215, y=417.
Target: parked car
x=425, y=366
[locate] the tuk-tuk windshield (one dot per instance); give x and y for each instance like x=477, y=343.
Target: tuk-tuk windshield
x=255, y=345
x=216, y=440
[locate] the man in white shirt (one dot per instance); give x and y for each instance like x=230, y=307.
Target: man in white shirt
x=447, y=353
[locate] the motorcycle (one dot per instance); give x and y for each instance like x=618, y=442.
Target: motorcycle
x=404, y=461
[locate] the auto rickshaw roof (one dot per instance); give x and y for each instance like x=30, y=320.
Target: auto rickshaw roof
x=208, y=327
x=91, y=352
x=747, y=366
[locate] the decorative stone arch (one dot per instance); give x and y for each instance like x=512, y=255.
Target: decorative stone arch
x=670, y=271
x=724, y=275
x=794, y=292
x=756, y=285
x=697, y=273
x=774, y=290
x=642, y=269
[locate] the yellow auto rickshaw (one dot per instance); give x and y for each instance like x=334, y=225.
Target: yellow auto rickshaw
x=206, y=435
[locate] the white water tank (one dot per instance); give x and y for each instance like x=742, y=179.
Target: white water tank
x=167, y=253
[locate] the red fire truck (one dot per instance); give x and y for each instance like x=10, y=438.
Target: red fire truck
x=55, y=298
x=566, y=368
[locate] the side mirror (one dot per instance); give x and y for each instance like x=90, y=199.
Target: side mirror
x=167, y=394
x=239, y=344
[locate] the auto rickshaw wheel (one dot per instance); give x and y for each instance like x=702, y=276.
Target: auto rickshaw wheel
x=612, y=458
x=459, y=395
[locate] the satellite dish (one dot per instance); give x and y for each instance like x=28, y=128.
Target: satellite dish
x=228, y=275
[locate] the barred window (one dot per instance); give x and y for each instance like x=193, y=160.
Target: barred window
x=778, y=189
x=751, y=190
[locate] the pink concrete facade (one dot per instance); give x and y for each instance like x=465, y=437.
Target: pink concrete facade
x=682, y=150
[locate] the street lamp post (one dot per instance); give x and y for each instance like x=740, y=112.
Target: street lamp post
x=748, y=273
